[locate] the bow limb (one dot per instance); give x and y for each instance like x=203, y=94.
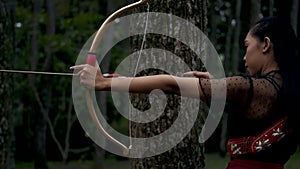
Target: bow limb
x=91, y=59
x=111, y=18
x=99, y=126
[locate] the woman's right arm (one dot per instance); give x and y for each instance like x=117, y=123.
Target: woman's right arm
x=92, y=78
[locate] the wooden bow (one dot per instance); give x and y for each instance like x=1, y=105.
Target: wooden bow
x=91, y=59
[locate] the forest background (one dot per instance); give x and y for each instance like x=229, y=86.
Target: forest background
x=47, y=35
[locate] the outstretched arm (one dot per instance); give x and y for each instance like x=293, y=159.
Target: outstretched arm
x=198, y=74
x=92, y=78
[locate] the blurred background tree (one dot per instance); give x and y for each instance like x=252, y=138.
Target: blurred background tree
x=7, y=47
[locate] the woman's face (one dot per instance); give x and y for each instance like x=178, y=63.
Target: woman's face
x=253, y=58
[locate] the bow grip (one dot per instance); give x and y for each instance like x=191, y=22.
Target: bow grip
x=91, y=58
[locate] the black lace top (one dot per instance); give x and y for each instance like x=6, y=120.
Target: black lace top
x=252, y=104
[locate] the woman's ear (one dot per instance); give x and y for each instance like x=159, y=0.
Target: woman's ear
x=267, y=44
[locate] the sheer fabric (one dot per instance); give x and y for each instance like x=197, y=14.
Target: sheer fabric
x=252, y=105
x=256, y=96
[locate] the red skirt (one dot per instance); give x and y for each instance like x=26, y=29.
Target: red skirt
x=250, y=164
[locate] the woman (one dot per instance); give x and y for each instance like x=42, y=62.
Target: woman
x=262, y=104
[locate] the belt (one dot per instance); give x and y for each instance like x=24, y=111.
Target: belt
x=255, y=144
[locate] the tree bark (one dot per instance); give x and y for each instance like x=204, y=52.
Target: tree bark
x=295, y=15
x=6, y=105
x=236, y=38
x=228, y=46
x=255, y=11
x=271, y=7
x=189, y=153
x=40, y=160
x=213, y=22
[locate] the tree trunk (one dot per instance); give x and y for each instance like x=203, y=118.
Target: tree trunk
x=228, y=46
x=271, y=7
x=255, y=11
x=6, y=110
x=236, y=38
x=213, y=22
x=40, y=160
x=295, y=15
x=189, y=153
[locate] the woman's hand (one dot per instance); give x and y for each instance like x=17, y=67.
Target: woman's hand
x=90, y=76
x=198, y=74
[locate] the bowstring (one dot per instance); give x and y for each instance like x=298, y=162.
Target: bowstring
x=136, y=68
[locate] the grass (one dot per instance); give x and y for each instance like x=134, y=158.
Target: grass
x=213, y=161
x=294, y=162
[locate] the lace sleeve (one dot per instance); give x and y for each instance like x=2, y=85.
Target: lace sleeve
x=255, y=97
x=237, y=88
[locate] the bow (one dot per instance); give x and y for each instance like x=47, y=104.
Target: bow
x=91, y=60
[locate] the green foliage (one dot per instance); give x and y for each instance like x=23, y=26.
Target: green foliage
x=73, y=26
x=75, y=22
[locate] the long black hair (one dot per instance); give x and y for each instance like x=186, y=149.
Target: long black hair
x=286, y=53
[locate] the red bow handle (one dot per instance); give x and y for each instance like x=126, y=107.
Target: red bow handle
x=91, y=60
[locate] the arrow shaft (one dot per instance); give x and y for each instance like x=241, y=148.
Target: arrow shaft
x=38, y=73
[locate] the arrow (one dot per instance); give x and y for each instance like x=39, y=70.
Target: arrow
x=107, y=75
x=40, y=73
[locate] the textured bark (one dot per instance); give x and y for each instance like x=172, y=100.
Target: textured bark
x=213, y=18
x=255, y=11
x=6, y=110
x=271, y=7
x=228, y=47
x=189, y=153
x=236, y=38
x=40, y=160
x=295, y=14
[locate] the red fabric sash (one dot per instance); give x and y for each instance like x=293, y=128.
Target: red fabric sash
x=250, y=164
x=251, y=144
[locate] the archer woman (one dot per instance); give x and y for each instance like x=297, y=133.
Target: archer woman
x=263, y=118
